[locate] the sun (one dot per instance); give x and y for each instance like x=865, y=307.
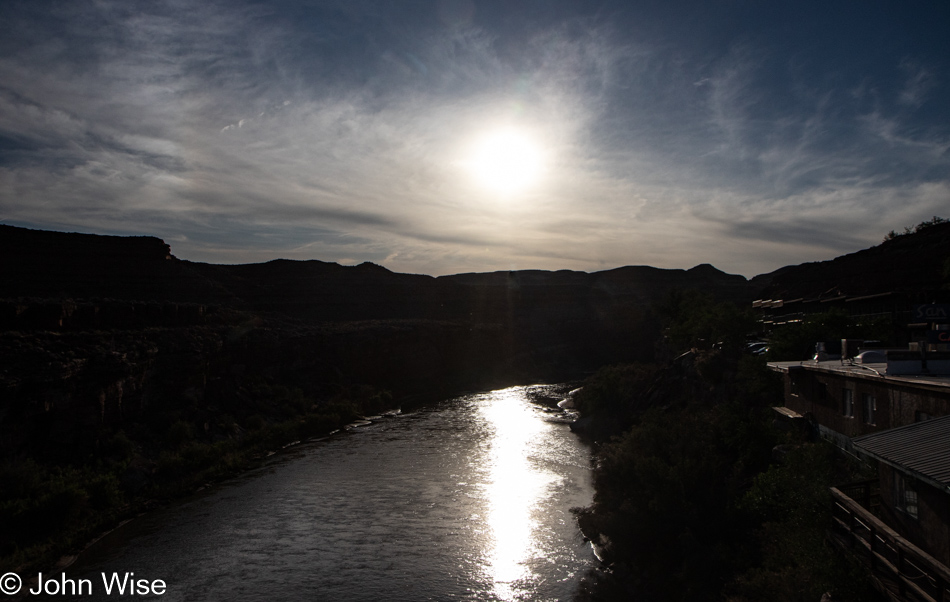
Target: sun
x=506, y=161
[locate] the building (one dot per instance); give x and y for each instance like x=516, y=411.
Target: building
x=906, y=312
x=847, y=398
x=914, y=476
x=893, y=413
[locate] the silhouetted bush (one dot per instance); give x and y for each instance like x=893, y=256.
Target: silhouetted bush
x=791, y=504
x=614, y=389
x=42, y=506
x=180, y=433
x=118, y=447
x=665, y=497
x=686, y=505
x=696, y=319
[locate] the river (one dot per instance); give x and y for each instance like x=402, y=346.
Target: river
x=468, y=499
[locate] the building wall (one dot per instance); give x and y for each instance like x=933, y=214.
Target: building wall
x=823, y=395
x=930, y=530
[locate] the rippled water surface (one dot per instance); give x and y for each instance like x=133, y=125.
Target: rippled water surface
x=467, y=500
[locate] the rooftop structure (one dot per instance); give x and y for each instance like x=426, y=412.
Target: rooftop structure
x=914, y=478
x=869, y=371
x=920, y=450
x=849, y=399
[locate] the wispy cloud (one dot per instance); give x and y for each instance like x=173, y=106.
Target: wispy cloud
x=339, y=130
x=918, y=82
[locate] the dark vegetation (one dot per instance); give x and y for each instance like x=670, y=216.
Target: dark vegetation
x=701, y=494
x=908, y=230
x=170, y=412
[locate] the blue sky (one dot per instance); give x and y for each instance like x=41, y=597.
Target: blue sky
x=745, y=134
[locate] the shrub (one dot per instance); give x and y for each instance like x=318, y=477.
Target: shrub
x=791, y=503
x=665, y=496
x=615, y=389
x=179, y=434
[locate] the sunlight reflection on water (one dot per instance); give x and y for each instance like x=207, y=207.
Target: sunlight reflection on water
x=514, y=489
x=468, y=500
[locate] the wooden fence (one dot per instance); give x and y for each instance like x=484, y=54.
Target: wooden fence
x=904, y=570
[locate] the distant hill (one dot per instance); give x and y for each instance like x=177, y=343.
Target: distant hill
x=42, y=264
x=533, y=321
x=56, y=265
x=910, y=263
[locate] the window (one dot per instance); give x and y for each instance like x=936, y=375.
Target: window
x=907, y=497
x=847, y=403
x=795, y=378
x=870, y=406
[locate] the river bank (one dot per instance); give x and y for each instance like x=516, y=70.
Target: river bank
x=88, y=501
x=99, y=498
x=468, y=496
x=98, y=425
x=254, y=459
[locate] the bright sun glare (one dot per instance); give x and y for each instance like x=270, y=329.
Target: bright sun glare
x=506, y=161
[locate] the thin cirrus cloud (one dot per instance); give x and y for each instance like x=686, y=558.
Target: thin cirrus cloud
x=672, y=134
